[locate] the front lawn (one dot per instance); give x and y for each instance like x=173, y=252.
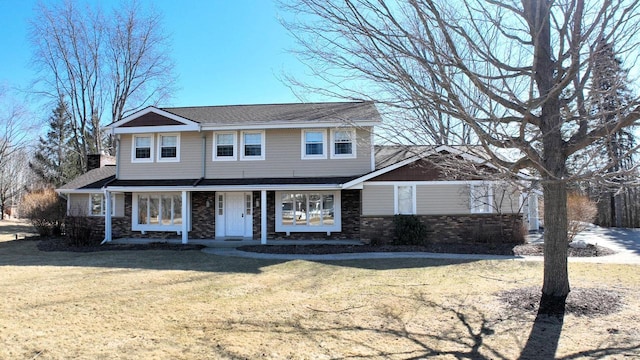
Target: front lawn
x=165, y=304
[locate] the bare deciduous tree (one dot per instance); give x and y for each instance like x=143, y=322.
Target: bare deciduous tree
x=516, y=73
x=91, y=60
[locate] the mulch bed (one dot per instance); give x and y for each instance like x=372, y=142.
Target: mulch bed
x=59, y=244
x=489, y=249
x=581, y=301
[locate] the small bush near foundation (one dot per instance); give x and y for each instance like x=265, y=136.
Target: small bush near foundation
x=45, y=210
x=80, y=232
x=409, y=230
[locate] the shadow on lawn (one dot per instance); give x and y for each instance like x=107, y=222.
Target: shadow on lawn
x=462, y=335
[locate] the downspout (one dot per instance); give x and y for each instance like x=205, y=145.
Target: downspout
x=117, y=155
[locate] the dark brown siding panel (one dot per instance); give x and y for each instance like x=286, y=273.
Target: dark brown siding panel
x=151, y=119
x=420, y=170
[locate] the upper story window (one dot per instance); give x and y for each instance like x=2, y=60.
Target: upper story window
x=343, y=143
x=142, y=149
x=169, y=147
x=224, y=146
x=252, y=145
x=405, y=203
x=313, y=144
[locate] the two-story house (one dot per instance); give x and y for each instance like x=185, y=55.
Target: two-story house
x=278, y=171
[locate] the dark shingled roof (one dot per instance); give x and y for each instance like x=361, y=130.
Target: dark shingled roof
x=281, y=113
x=225, y=182
x=93, y=179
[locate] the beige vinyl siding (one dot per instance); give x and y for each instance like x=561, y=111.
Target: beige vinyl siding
x=189, y=166
x=377, y=200
x=79, y=204
x=442, y=199
x=283, y=158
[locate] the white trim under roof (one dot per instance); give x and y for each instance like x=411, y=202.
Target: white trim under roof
x=287, y=125
x=188, y=125
x=300, y=187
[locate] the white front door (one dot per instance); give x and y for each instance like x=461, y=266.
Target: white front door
x=234, y=214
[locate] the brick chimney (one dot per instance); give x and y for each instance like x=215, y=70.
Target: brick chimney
x=95, y=161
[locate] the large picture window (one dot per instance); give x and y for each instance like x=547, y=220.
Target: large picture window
x=158, y=212
x=308, y=211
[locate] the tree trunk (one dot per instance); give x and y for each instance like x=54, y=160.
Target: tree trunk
x=555, y=287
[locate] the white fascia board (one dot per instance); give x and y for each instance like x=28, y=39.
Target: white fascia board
x=79, y=191
x=116, y=125
x=287, y=125
x=156, y=129
x=224, y=188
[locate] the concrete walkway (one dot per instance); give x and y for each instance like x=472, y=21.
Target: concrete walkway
x=626, y=243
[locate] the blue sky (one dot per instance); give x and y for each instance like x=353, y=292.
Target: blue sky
x=226, y=51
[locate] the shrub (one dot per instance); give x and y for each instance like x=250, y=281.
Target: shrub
x=581, y=212
x=80, y=232
x=409, y=230
x=45, y=210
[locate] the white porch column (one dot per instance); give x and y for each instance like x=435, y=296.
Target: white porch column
x=107, y=216
x=263, y=217
x=185, y=219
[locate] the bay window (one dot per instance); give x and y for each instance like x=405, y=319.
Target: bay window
x=308, y=211
x=159, y=212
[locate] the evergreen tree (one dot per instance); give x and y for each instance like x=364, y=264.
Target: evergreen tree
x=54, y=161
x=610, y=98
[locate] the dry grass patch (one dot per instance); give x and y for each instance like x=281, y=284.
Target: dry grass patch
x=186, y=304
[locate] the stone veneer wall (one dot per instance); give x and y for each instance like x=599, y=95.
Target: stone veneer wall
x=469, y=228
x=351, y=208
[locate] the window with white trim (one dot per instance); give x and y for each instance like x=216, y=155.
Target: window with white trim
x=224, y=146
x=142, y=149
x=252, y=145
x=97, y=205
x=343, y=144
x=308, y=211
x=314, y=144
x=481, y=198
x=405, y=199
x=169, y=147
x=157, y=212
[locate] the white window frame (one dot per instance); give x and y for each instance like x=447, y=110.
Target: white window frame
x=215, y=156
x=303, y=147
x=262, y=145
x=134, y=159
x=353, y=144
x=102, y=205
x=159, y=151
x=396, y=199
x=486, y=207
x=135, y=226
x=337, y=214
